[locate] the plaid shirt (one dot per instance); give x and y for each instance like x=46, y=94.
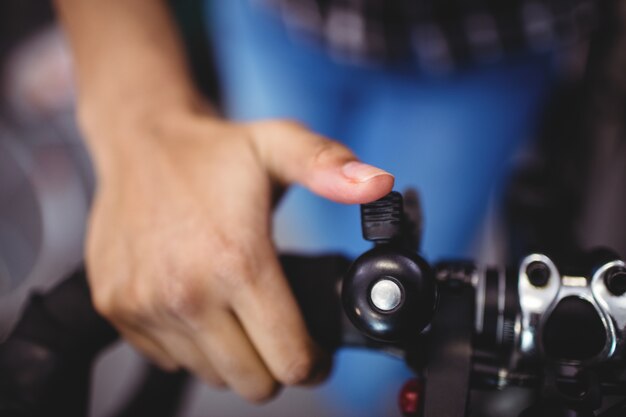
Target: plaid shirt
x=438, y=35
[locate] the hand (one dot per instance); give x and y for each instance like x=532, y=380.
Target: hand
x=179, y=252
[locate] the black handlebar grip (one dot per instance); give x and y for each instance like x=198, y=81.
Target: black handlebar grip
x=315, y=283
x=46, y=361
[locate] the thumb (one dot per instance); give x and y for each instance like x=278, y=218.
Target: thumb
x=293, y=154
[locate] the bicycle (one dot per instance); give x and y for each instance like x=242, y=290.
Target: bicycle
x=557, y=331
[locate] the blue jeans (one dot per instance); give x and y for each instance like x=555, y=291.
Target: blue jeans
x=452, y=137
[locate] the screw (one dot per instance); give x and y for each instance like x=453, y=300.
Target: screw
x=615, y=280
x=538, y=273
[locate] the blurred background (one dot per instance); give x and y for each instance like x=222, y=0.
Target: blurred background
x=46, y=184
x=568, y=188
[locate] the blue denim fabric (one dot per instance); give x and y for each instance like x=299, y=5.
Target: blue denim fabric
x=452, y=137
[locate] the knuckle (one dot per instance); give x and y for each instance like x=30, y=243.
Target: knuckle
x=234, y=268
x=183, y=297
x=120, y=296
x=299, y=370
x=124, y=304
x=328, y=151
x=136, y=304
x=101, y=290
x=129, y=311
x=102, y=302
x=236, y=279
x=177, y=287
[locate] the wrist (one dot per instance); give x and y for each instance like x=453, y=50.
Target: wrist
x=118, y=134
x=137, y=109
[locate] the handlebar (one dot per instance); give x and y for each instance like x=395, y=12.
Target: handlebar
x=459, y=326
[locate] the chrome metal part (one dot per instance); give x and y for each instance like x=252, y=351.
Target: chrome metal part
x=386, y=295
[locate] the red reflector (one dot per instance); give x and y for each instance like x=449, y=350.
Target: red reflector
x=410, y=398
